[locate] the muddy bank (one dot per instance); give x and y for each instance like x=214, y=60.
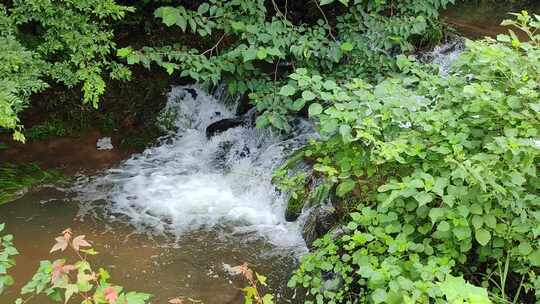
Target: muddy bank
x=70, y=155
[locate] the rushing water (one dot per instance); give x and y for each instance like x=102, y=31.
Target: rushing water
x=188, y=182
x=171, y=220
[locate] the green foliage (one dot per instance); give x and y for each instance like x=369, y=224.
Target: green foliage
x=252, y=292
x=61, y=281
x=20, y=72
x=68, y=42
x=7, y=251
x=48, y=129
x=255, y=46
x=445, y=173
x=15, y=179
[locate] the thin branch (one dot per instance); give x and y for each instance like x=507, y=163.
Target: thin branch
x=215, y=46
x=325, y=19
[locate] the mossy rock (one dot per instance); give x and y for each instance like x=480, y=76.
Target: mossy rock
x=294, y=207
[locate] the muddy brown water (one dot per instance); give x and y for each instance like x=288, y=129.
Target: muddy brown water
x=191, y=266
x=482, y=18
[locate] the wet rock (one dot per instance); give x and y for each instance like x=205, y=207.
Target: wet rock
x=320, y=220
x=193, y=92
x=223, y=125
x=294, y=208
x=220, y=126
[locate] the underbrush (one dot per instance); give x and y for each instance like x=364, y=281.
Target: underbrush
x=443, y=170
x=16, y=179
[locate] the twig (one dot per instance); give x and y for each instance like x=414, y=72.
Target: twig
x=215, y=46
x=325, y=19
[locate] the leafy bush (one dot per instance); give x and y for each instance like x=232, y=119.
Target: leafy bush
x=258, y=42
x=65, y=41
x=20, y=72
x=444, y=169
x=7, y=251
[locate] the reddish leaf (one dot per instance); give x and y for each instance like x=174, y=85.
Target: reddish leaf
x=111, y=295
x=79, y=241
x=59, y=269
x=67, y=233
x=243, y=270
x=176, y=301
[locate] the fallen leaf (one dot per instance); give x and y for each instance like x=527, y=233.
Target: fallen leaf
x=79, y=241
x=61, y=244
x=176, y=301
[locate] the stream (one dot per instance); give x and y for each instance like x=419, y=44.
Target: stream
x=173, y=219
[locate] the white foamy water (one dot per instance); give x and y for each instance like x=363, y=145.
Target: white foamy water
x=445, y=54
x=189, y=182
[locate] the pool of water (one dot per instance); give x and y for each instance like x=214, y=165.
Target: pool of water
x=480, y=18
x=173, y=219
x=192, y=265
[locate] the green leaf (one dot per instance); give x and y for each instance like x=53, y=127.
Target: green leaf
x=124, y=52
x=238, y=26
x=137, y=298
x=535, y=258
x=345, y=187
x=250, y=54
x=203, y=8
x=379, y=296
x=346, y=47
x=345, y=132
x=524, y=248
x=325, y=2
x=482, y=236
x=443, y=226
x=423, y=198
x=268, y=299
x=435, y=214
x=287, y=90
x=262, y=53
x=261, y=279
x=308, y=95
x=315, y=109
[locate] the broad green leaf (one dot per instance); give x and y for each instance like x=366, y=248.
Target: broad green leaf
x=308, y=95
x=346, y=47
x=482, y=236
x=315, y=109
x=345, y=187
x=287, y=90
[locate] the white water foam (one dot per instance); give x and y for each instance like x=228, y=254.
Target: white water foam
x=189, y=182
x=445, y=54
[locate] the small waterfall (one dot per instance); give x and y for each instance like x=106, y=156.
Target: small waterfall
x=188, y=182
x=445, y=54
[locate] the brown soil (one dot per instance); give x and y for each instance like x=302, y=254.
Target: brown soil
x=68, y=154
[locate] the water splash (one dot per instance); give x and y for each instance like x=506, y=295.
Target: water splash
x=445, y=54
x=188, y=182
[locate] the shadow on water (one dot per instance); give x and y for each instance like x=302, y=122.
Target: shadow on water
x=193, y=265
x=479, y=18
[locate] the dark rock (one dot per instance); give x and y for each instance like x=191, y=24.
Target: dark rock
x=193, y=92
x=320, y=220
x=223, y=125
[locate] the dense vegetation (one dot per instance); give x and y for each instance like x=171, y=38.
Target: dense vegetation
x=435, y=176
